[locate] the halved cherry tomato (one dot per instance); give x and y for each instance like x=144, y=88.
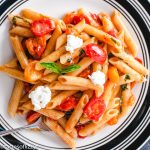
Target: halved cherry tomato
x=36, y=46
x=32, y=116
x=30, y=73
x=95, y=52
x=139, y=60
x=42, y=27
x=68, y=104
x=96, y=18
x=85, y=73
x=112, y=33
x=77, y=19
x=94, y=108
x=68, y=18
x=79, y=127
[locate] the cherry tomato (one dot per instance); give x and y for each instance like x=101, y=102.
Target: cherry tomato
x=36, y=46
x=94, y=108
x=96, y=18
x=32, y=116
x=68, y=104
x=77, y=19
x=112, y=33
x=79, y=127
x=42, y=27
x=30, y=73
x=139, y=60
x=96, y=53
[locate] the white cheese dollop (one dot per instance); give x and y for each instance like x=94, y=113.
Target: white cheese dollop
x=98, y=78
x=40, y=97
x=73, y=43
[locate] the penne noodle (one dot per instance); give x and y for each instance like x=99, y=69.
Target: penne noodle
x=56, y=85
x=80, y=26
x=89, y=93
x=123, y=67
x=15, y=98
x=84, y=63
x=52, y=42
x=132, y=62
x=92, y=127
x=114, y=103
x=96, y=66
x=123, y=80
x=51, y=57
x=82, y=82
x=103, y=36
x=62, y=121
x=54, y=126
x=12, y=63
x=18, y=49
x=84, y=36
x=84, y=120
x=75, y=116
x=14, y=73
x=53, y=114
x=67, y=56
x=61, y=40
x=24, y=99
x=116, y=18
x=20, y=21
x=49, y=78
x=46, y=72
x=58, y=99
x=21, y=31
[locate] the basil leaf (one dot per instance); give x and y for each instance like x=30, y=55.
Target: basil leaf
x=70, y=68
x=124, y=87
x=127, y=77
x=52, y=66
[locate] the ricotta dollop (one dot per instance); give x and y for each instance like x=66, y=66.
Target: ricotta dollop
x=97, y=78
x=40, y=97
x=73, y=43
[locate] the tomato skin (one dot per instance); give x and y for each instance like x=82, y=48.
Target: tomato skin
x=78, y=128
x=96, y=18
x=139, y=60
x=42, y=27
x=68, y=104
x=32, y=116
x=96, y=53
x=94, y=108
x=68, y=18
x=77, y=19
x=112, y=33
x=31, y=74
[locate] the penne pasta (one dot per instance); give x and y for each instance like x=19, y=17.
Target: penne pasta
x=49, y=78
x=116, y=18
x=51, y=57
x=58, y=86
x=132, y=62
x=62, y=121
x=15, y=98
x=75, y=116
x=123, y=67
x=124, y=79
x=54, y=126
x=52, y=42
x=12, y=63
x=61, y=40
x=21, y=31
x=18, y=49
x=58, y=99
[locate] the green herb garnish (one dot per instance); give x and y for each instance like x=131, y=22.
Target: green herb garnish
x=69, y=60
x=57, y=69
x=113, y=40
x=127, y=77
x=124, y=87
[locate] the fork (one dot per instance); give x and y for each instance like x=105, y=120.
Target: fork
x=38, y=124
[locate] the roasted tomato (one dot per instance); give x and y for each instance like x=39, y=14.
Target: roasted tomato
x=139, y=60
x=112, y=33
x=68, y=104
x=77, y=19
x=42, y=27
x=79, y=127
x=68, y=18
x=96, y=18
x=32, y=116
x=36, y=46
x=94, y=108
x=31, y=74
x=95, y=52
